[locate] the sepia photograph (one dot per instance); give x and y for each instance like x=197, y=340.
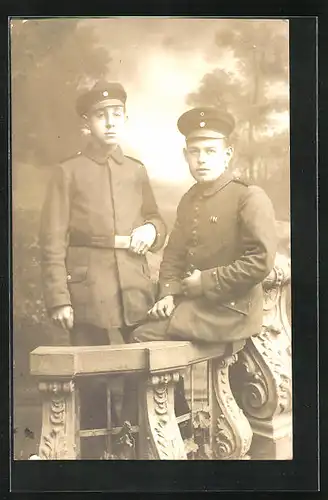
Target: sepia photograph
x=151, y=243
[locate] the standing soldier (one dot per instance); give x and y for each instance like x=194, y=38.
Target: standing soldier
x=99, y=219
x=221, y=248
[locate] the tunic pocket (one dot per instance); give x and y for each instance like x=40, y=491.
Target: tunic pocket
x=241, y=306
x=77, y=274
x=78, y=287
x=77, y=262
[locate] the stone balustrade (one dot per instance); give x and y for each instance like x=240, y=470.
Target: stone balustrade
x=249, y=391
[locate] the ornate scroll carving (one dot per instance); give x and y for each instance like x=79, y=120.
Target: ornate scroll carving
x=276, y=288
x=158, y=425
x=264, y=371
x=262, y=378
x=232, y=434
x=59, y=424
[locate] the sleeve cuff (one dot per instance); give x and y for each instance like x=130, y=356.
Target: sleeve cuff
x=59, y=301
x=166, y=288
x=160, y=229
x=210, y=280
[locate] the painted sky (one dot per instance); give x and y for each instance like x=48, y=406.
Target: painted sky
x=159, y=61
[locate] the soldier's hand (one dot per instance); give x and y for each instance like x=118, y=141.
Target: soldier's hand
x=63, y=316
x=163, y=308
x=142, y=238
x=192, y=285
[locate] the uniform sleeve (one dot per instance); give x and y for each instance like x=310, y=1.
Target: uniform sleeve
x=173, y=264
x=151, y=213
x=53, y=240
x=259, y=245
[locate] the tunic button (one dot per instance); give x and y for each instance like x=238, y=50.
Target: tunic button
x=69, y=277
x=232, y=303
x=166, y=284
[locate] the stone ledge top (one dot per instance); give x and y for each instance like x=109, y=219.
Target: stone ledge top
x=149, y=357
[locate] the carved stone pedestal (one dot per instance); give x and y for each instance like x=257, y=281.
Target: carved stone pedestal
x=263, y=375
x=159, y=433
x=231, y=432
x=60, y=421
x=272, y=439
x=266, y=396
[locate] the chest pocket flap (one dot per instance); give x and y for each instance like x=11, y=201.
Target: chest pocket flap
x=241, y=306
x=77, y=274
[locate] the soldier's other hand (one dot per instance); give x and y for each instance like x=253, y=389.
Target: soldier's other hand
x=142, y=238
x=192, y=285
x=163, y=308
x=63, y=316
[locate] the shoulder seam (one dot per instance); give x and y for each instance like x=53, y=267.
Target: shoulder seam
x=72, y=157
x=134, y=159
x=242, y=182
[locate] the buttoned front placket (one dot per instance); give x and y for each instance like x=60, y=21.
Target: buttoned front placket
x=200, y=215
x=109, y=161
x=194, y=228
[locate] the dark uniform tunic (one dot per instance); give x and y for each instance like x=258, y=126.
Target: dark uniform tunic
x=226, y=229
x=92, y=198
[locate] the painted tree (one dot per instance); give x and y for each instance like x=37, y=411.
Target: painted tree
x=51, y=59
x=260, y=49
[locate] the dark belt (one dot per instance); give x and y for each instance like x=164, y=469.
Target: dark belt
x=85, y=240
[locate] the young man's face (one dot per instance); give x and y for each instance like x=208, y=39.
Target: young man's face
x=107, y=124
x=207, y=158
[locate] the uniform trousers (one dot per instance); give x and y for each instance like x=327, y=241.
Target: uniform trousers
x=147, y=332
x=93, y=391
x=124, y=394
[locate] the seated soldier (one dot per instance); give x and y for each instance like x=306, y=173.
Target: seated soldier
x=221, y=248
